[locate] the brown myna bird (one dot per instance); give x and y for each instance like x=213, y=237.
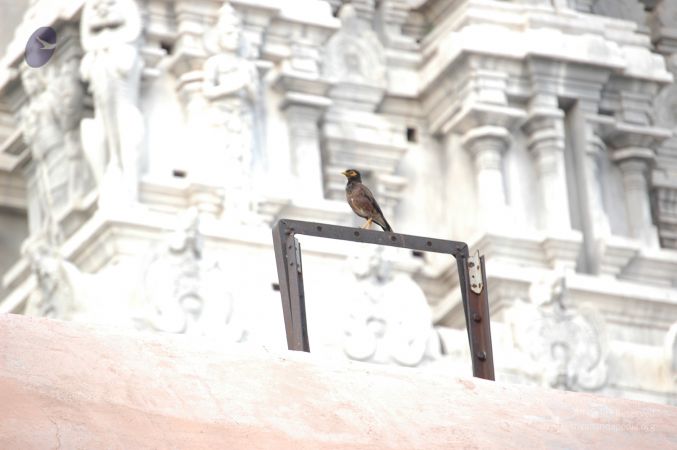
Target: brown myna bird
x=362, y=201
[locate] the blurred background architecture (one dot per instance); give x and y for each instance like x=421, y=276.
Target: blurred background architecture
x=141, y=170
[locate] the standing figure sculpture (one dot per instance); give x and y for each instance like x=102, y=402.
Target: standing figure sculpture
x=71, y=94
x=231, y=85
x=47, y=173
x=111, y=36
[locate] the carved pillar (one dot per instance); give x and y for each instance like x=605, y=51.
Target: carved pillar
x=663, y=24
x=304, y=140
x=586, y=184
x=193, y=18
x=305, y=101
x=664, y=178
x=256, y=17
x=472, y=101
x=635, y=164
x=186, y=63
x=189, y=90
x=594, y=152
x=487, y=144
x=634, y=138
x=545, y=131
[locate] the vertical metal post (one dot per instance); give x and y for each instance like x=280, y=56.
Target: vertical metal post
x=280, y=234
x=296, y=291
x=462, y=265
x=290, y=275
x=477, y=318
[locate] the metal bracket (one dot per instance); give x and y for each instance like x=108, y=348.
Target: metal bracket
x=472, y=282
x=297, y=252
x=475, y=272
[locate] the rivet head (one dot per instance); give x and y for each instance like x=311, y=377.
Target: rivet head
x=476, y=317
x=482, y=356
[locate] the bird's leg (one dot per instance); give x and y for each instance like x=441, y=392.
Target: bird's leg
x=367, y=224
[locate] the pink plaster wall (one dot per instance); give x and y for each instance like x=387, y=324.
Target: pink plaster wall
x=69, y=386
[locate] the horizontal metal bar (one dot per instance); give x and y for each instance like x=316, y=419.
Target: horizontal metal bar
x=407, y=241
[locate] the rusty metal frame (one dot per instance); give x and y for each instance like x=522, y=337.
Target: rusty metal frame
x=472, y=282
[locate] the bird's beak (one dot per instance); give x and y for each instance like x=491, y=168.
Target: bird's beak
x=344, y=173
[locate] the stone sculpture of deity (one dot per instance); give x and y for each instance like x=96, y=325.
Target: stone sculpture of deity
x=57, y=281
x=186, y=293
x=50, y=124
x=71, y=94
x=389, y=320
x=112, y=64
x=567, y=340
x=231, y=85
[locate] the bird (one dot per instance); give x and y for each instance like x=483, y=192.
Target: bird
x=46, y=45
x=362, y=201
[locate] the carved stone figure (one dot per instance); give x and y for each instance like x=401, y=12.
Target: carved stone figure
x=57, y=282
x=111, y=33
x=65, y=292
x=50, y=123
x=566, y=340
x=354, y=53
x=71, y=93
x=50, y=130
x=231, y=85
x=185, y=293
x=389, y=320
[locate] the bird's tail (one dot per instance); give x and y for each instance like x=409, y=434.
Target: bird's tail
x=385, y=225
